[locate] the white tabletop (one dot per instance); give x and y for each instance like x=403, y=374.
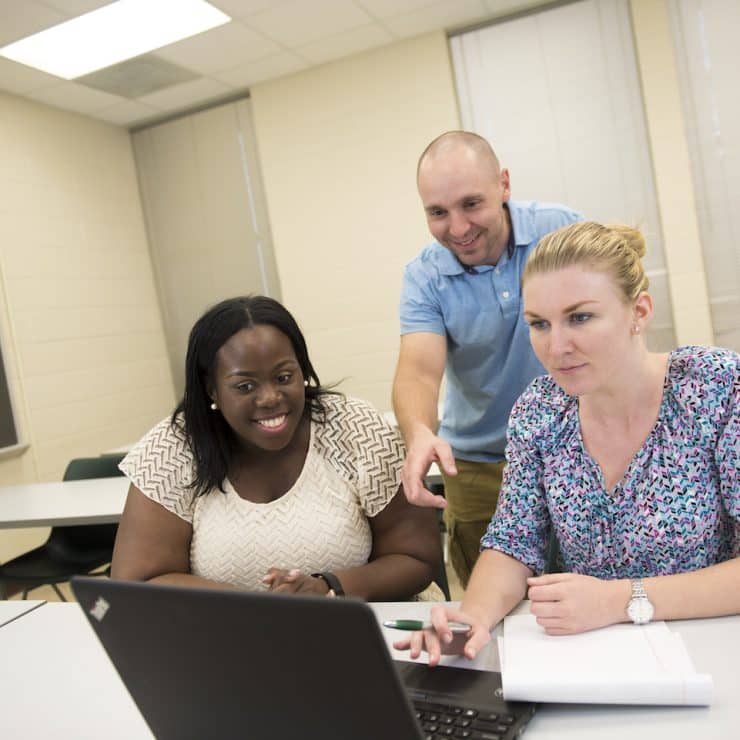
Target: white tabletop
x=11, y=610
x=57, y=681
x=52, y=659
x=486, y=660
x=714, y=647
x=90, y=501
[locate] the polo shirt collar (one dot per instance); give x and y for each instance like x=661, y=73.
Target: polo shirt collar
x=448, y=264
x=522, y=225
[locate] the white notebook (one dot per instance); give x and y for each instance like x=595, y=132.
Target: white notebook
x=620, y=664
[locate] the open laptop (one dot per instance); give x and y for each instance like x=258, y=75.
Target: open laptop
x=202, y=663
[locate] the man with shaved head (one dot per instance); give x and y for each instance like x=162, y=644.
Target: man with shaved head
x=461, y=315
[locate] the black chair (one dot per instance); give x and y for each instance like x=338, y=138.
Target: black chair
x=441, y=577
x=69, y=551
x=441, y=580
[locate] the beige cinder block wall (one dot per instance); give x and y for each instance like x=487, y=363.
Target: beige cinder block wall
x=338, y=146
x=82, y=333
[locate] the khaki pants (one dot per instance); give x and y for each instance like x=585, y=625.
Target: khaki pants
x=471, y=496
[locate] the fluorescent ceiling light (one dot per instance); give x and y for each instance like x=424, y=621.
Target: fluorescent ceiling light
x=115, y=32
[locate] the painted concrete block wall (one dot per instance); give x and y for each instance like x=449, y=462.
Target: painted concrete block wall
x=83, y=335
x=338, y=147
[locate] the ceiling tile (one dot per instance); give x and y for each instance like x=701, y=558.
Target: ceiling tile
x=138, y=76
x=221, y=48
x=445, y=15
x=300, y=22
x=268, y=39
x=263, y=69
x=21, y=18
x=19, y=78
x=244, y=8
x=73, y=8
x=126, y=113
x=389, y=8
x=71, y=96
x=188, y=93
x=344, y=44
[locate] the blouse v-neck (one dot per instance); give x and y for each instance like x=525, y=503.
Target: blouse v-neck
x=638, y=453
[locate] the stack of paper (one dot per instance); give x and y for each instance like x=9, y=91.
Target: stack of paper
x=621, y=664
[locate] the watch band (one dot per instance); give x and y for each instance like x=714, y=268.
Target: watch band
x=331, y=581
x=638, y=590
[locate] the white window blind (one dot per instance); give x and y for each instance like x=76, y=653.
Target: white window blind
x=206, y=216
x=708, y=54
x=557, y=94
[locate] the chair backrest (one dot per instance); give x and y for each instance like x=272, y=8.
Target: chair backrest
x=441, y=576
x=66, y=542
x=105, y=466
x=441, y=580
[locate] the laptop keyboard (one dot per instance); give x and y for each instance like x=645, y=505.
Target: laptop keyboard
x=446, y=721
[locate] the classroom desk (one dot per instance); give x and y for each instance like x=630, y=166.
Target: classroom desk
x=90, y=501
x=57, y=682
x=12, y=610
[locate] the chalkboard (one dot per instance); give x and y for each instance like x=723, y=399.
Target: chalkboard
x=8, y=433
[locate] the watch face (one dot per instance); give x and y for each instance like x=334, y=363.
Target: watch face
x=640, y=611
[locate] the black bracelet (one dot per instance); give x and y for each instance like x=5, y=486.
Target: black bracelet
x=331, y=581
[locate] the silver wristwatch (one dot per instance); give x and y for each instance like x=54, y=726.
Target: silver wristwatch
x=639, y=609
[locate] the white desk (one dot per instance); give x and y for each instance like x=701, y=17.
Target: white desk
x=91, y=501
x=714, y=647
x=57, y=682
x=12, y=610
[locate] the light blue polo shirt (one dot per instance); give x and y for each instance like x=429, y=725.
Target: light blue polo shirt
x=479, y=309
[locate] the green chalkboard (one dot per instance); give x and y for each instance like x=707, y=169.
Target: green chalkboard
x=8, y=433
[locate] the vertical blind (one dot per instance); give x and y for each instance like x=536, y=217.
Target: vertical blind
x=557, y=94
x=708, y=54
x=206, y=217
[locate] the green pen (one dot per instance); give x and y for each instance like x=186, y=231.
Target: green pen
x=457, y=628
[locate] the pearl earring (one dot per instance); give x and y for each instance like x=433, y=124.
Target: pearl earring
x=305, y=384
x=637, y=328
x=214, y=407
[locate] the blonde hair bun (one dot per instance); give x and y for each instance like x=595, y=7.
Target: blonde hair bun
x=616, y=249
x=632, y=237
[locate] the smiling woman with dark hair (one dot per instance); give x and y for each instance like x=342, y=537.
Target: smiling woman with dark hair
x=262, y=479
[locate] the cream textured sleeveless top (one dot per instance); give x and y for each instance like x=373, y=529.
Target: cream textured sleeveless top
x=351, y=472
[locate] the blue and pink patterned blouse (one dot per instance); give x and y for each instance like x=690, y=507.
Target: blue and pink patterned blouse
x=676, y=509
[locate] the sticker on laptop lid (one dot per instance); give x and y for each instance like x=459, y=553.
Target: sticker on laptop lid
x=100, y=607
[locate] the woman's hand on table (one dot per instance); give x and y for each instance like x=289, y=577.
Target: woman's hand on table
x=568, y=603
x=440, y=640
x=281, y=580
